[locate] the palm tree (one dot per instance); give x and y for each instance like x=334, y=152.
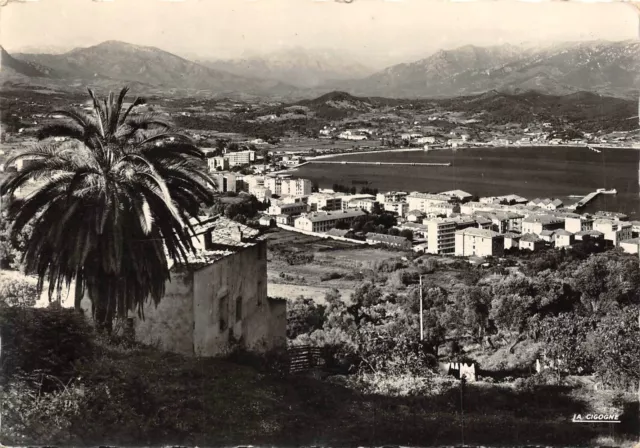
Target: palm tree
x=109, y=209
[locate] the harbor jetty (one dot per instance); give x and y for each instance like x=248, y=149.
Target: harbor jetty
x=344, y=162
x=590, y=197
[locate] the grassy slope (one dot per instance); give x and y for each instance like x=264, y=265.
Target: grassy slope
x=214, y=402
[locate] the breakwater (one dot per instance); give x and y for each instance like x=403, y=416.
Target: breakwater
x=344, y=162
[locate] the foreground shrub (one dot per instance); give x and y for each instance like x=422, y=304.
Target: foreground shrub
x=330, y=276
x=401, y=385
x=17, y=289
x=30, y=415
x=46, y=340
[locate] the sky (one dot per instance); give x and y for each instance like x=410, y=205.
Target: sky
x=375, y=32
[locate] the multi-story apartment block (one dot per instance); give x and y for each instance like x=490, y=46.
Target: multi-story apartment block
x=392, y=196
x=324, y=221
x=354, y=200
x=240, y=157
x=421, y=201
x=614, y=231
x=325, y=201
x=478, y=242
x=503, y=222
x=535, y=224
x=399, y=208
x=441, y=236
x=218, y=162
x=580, y=224
x=296, y=187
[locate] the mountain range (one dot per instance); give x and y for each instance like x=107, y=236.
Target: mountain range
x=298, y=66
x=606, y=68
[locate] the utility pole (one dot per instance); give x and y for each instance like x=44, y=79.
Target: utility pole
x=421, y=316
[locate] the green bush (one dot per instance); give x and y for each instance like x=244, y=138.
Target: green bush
x=46, y=340
x=330, y=276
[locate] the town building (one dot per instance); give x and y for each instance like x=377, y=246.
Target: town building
x=459, y=195
x=547, y=204
x=580, y=224
x=478, y=242
x=240, y=158
x=219, y=302
x=616, y=216
x=589, y=234
x=547, y=235
x=291, y=209
x=399, y=208
x=503, y=222
x=420, y=201
x=511, y=240
x=535, y=224
x=218, y=163
x=286, y=186
x=225, y=181
x=325, y=201
x=398, y=242
x=630, y=246
x=324, y=221
x=363, y=201
x=286, y=220
x=613, y=230
x=415, y=215
x=441, y=234
x=563, y=238
x=392, y=196
x=442, y=209
x=531, y=242
x=295, y=187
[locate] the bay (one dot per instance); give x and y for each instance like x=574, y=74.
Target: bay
x=532, y=172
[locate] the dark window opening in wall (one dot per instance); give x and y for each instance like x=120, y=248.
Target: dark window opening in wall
x=239, y=309
x=259, y=294
x=224, y=313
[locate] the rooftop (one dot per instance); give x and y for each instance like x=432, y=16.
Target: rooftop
x=483, y=233
x=329, y=216
x=457, y=193
x=544, y=219
x=386, y=238
x=530, y=237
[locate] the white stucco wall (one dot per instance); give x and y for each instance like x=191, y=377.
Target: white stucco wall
x=170, y=324
x=242, y=275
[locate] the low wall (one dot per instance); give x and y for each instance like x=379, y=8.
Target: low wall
x=321, y=235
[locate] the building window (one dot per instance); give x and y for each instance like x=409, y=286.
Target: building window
x=239, y=309
x=259, y=293
x=224, y=313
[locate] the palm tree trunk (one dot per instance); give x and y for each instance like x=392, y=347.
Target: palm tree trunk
x=79, y=295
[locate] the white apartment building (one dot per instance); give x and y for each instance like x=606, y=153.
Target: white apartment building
x=261, y=193
x=285, y=186
x=240, y=157
x=353, y=200
x=575, y=225
x=392, y=196
x=325, y=201
x=441, y=209
x=281, y=208
x=614, y=231
x=630, y=246
x=296, y=187
x=421, y=201
x=441, y=236
x=400, y=208
x=325, y=221
x=478, y=242
x=535, y=224
x=563, y=238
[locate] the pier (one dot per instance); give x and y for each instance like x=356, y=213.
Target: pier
x=590, y=197
x=381, y=163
